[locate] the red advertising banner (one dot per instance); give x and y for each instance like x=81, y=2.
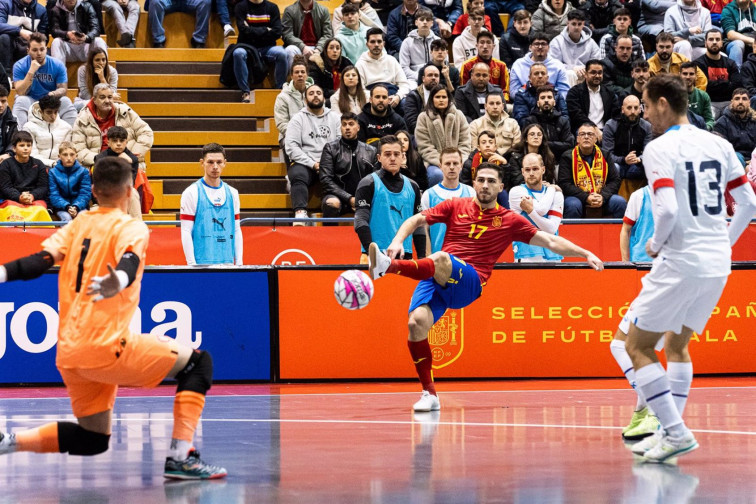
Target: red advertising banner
x=540, y=322
x=289, y=245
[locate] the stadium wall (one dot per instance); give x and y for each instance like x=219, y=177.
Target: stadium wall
x=283, y=324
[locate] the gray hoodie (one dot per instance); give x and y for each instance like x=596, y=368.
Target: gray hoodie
x=288, y=102
x=571, y=53
x=308, y=134
x=415, y=53
x=679, y=18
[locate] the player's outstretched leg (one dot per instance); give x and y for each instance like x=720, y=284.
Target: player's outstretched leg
x=380, y=264
x=655, y=386
x=63, y=437
x=643, y=423
x=194, y=380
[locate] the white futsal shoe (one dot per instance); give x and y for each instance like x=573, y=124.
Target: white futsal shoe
x=641, y=447
x=669, y=447
x=427, y=402
x=378, y=264
x=7, y=443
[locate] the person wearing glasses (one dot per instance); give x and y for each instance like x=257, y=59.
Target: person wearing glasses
x=590, y=183
x=589, y=101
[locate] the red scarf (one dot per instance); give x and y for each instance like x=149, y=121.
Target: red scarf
x=103, y=124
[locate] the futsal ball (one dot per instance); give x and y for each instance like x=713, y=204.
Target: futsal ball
x=353, y=289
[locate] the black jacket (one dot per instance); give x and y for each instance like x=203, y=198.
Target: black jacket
x=513, y=46
x=338, y=160
x=524, y=102
x=748, y=74
x=622, y=137
x=322, y=74
x=373, y=127
x=567, y=183
x=413, y=105
x=256, y=68
x=86, y=21
x=8, y=127
x=557, y=127
x=466, y=100
x=740, y=133
x=16, y=178
x=600, y=18
x=617, y=75
x=725, y=77
x=579, y=103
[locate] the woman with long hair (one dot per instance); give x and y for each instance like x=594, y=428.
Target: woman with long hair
x=351, y=94
x=95, y=71
x=533, y=140
x=326, y=69
x=440, y=125
x=413, y=166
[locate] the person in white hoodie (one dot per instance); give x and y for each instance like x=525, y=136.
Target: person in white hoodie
x=306, y=136
x=415, y=52
x=688, y=22
x=376, y=66
x=466, y=45
x=47, y=129
x=574, y=46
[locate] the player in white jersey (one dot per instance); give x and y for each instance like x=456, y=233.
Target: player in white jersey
x=689, y=171
x=541, y=204
x=450, y=187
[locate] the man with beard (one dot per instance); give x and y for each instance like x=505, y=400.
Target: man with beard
x=556, y=126
x=722, y=72
x=499, y=73
x=377, y=67
x=306, y=137
x=478, y=231
x=470, y=99
x=526, y=98
x=378, y=119
x=588, y=181
x=496, y=119
x=417, y=98
x=589, y=101
x=539, y=53
x=739, y=26
x=698, y=101
x=667, y=61
x=640, y=75
x=738, y=125
x=624, y=141
x=618, y=70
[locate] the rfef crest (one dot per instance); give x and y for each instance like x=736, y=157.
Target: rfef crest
x=446, y=338
x=496, y=221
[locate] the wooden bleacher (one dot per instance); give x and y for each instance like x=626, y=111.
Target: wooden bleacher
x=177, y=91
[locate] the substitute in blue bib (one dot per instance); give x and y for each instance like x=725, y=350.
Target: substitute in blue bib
x=637, y=226
x=210, y=230
x=541, y=204
x=450, y=187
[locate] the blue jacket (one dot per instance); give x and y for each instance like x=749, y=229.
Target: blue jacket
x=525, y=101
x=16, y=8
x=69, y=186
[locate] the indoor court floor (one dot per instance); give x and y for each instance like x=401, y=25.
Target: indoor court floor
x=535, y=441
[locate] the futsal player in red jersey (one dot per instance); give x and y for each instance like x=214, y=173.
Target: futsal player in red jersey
x=478, y=231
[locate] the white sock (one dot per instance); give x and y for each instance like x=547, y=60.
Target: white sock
x=680, y=376
x=653, y=383
x=619, y=353
x=179, y=449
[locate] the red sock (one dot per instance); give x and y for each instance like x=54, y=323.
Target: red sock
x=421, y=356
x=418, y=270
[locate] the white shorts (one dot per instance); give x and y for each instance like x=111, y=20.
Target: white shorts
x=669, y=300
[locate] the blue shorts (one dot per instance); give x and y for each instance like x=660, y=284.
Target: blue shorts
x=462, y=289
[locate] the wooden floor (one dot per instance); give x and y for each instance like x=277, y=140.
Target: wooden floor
x=515, y=441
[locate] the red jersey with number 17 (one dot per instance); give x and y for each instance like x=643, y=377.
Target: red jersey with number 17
x=479, y=236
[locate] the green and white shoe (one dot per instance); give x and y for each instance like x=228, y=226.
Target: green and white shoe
x=638, y=417
x=647, y=426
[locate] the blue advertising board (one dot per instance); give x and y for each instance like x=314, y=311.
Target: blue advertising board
x=225, y=312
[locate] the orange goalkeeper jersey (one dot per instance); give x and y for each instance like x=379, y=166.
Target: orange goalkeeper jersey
x=91, y=334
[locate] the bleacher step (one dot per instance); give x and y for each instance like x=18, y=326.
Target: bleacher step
x=186, y=95
x=165, y=154
x=167, y=68
x=197, y=138
x=197, y=109
x=165, y=54
x=170, y=81
x=201, y=123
